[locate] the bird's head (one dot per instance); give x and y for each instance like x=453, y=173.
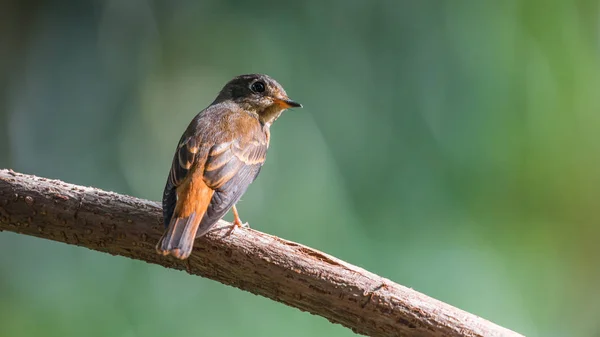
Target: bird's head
x=260, y=94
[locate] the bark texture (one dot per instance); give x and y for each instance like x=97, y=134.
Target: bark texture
x=262, y=264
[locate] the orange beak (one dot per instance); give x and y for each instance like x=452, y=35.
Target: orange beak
x=287, y=103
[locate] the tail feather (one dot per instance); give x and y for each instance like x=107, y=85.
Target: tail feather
x=178, y=239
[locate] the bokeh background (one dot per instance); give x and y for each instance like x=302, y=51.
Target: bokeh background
x=451, y=146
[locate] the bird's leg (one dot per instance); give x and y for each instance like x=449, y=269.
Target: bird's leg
x=237, y=222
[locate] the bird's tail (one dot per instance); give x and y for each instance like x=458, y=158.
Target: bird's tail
x=179, y=237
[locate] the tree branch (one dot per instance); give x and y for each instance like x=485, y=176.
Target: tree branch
x=262, y=264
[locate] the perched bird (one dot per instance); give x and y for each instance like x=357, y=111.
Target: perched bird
x=220, y=153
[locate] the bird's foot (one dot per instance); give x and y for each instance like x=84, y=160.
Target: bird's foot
x=238, y=224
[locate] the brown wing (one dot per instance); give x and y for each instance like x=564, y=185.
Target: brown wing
x=184, y=158
x=230, y=168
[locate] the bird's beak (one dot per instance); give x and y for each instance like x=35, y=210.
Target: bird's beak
x=287, y=103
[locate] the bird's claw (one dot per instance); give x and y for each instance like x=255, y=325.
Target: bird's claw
x=237, y=224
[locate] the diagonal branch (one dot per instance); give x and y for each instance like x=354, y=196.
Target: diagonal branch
x=262, y=264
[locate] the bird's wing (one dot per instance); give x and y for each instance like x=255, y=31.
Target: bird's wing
x=230, y=168
x=185, y=157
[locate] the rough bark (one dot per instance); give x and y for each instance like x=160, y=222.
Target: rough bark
x=262, y=264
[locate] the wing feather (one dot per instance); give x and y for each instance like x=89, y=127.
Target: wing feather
x=183, y=160
x=229, y=172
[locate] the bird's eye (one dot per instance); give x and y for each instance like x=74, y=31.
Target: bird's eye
x=258, y=87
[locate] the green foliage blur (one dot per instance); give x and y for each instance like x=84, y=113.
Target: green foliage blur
x=450, y=146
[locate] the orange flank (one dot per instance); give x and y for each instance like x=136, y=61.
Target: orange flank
x=193, y=196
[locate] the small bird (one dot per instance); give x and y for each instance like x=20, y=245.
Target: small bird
x=220, y=153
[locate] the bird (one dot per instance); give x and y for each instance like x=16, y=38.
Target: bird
x=218, y=156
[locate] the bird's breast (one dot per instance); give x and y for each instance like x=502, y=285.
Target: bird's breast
x=267, y=132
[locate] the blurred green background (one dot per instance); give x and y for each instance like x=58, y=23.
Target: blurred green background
x=451, y=146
